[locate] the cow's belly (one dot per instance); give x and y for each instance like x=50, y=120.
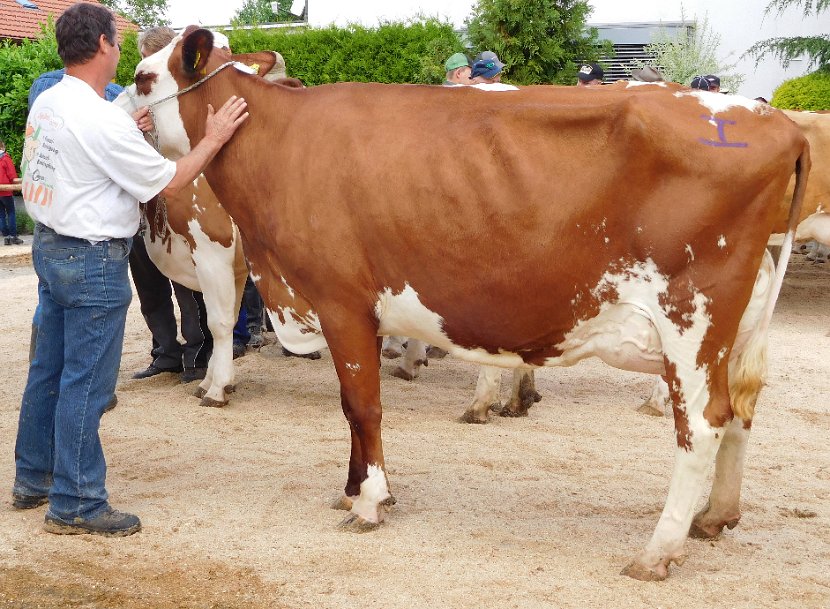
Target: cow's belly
x=178, y=264
x=621, y=335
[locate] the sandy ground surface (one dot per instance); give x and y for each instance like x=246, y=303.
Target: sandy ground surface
x=542, y=511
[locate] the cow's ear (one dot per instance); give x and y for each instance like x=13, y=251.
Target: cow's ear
x=196, y=48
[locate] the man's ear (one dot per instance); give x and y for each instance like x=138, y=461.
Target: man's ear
x=196, y=48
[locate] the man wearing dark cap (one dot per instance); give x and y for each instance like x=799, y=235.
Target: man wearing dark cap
x=710, y=83
x=486, y=68
x=589, y=74
x=458, y=70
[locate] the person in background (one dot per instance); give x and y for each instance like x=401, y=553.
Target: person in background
x=487, y=69
x=8, y=221
x=155, y=290
x=710, y=83
x=458, y=70
x=589, y=75
x=647, y=74
x=89, y=161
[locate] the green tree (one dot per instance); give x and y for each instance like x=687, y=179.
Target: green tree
x=260, y=11
x=680, y=56
x=540, y=41
x=785, y=49
x=146, y=13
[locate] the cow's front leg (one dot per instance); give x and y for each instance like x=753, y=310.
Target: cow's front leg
x=697, y=443
x=486, y=396
x=523, y=395
x=415, y=356
x=355, y=351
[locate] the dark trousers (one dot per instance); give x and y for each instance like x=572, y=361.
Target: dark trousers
x=8, y=221
x=250, y=314
x=155, y=295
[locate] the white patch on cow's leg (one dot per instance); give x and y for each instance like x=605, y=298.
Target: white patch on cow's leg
x=723, y=508
x=486, y=396
x=393, y=346
x=415, y=355
x=374, y=491
x=215, y=267
x=659, y=402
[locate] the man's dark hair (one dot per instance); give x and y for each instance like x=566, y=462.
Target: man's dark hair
x=79, y=29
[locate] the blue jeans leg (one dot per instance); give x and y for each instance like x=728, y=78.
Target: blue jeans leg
x=84, y=292
x=7, y=227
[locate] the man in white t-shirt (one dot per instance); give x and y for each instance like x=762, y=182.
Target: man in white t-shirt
x=85, y=167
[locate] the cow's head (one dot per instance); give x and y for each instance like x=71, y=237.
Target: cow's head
x=189, y=57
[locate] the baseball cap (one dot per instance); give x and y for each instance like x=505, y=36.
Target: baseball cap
x=489, y=56
x=705, y=83
x=590, y=71
x=458, y=60
x=487, y=68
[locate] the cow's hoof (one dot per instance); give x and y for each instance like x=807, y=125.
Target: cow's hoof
x=211, y=403
x=537, y=397
x=230, y=388
x=474, y=417
x=635, y=570
x=200, y=393
x=709, y=528
x=344, y=502
x=402, y=374
x=357, y=524
x=391, y=353
x=436, y=353
x=650, y=409
x=508, y=411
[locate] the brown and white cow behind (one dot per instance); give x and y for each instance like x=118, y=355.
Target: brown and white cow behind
x=193, y=241
x=482, y=266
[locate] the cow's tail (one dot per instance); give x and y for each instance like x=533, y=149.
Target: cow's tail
x=750, y=367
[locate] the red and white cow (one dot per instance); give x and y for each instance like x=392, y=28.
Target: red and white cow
x=193, y=241
x=483, y=268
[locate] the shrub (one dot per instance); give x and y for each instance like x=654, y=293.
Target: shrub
x=25, y=224
x=810, y=92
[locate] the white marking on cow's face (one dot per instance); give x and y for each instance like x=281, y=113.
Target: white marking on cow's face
x=718, y=102
x=373, y=490
x=722, y=241
x=690, y=252
x=173, y=140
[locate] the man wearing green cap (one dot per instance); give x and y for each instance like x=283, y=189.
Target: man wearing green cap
x=458, y=70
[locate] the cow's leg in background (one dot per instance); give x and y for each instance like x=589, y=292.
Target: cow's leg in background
x=355, y=350
x=414, y=356
x=393, y=346
x=524, y=394
x=658, y=403
x=215, y=277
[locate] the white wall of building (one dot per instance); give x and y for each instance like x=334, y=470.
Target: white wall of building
x=740, y=23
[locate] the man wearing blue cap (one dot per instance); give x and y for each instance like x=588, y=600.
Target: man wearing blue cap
x=458, y=70
x=486, y=69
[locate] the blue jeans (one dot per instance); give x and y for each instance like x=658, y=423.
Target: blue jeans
x=7, y=227
x=84, y=292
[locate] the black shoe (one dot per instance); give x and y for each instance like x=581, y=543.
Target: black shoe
x=153, y=371
x=111, y=523
x=238, y=350
x=257, y=341
x=112, y=403
x=16, y=240
x=312, y=355
x=193, y=374
x=27, y=502
x=7, y=240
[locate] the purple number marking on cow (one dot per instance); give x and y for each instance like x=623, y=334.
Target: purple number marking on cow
x=722, y=141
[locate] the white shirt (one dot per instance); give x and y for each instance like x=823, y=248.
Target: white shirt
x=86, y=164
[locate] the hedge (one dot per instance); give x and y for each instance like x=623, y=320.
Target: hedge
x=810, y=92
x=411, y=52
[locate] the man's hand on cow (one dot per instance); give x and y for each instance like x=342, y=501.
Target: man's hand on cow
x=223, y=123
x=143, y=119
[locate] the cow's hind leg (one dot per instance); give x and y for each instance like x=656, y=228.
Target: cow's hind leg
x=524, y=394
x=658, y=403
x=355, y=350
x=486, y=396
x=697, y=443
x=415, y=356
